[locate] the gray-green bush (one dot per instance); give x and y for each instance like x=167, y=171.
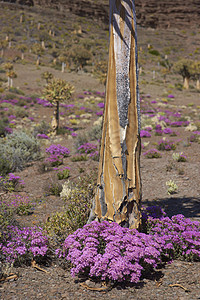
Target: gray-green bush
x=18, y=148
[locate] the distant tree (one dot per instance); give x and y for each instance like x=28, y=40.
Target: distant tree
x=38, y=50
x=183, y=67
x=47, y=76
x=3, y=46
x=23, y=48
x=100, y=70
x=55, y=55
x=80, y=56
x=9, y=69
x=11, y=75
x=57, y=91
x=63, y=58
x=167, y=66
x=195, y=73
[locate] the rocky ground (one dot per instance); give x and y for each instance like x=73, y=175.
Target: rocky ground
x=178, y=280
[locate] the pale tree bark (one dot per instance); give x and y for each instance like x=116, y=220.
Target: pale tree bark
x=198, y=84
x=186, y=83
x=118, y=192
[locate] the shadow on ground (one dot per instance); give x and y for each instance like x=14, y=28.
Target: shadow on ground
x=187, y=206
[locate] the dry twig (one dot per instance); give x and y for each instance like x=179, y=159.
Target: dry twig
x=100, y=289
x=33, y=264
x=11, y=276
x=179, y=285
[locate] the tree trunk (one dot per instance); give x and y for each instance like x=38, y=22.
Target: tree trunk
x=55, y=119
x=63, y=67
x=186, y=83
x=198, y=84
x=118, y=192
x=57, y=114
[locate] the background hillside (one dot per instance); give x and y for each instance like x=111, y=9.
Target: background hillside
x=150, y=13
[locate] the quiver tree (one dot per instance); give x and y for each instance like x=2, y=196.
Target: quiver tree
x=57, y=91
x=100, y=70
x=118, y=192
x=183, y=67
x=195, y=73
x=47, y=76
x=64, y=61
x=3, y=46
x=79, y=56
x=23, y=48
x=166, y=68
x=38, y=50
x=9, y=73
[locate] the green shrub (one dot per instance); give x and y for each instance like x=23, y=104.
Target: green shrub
x=171, y=187
x=95, y=133
x=63, y=174
x=154, y=52
x=6, y=215
x=80, y=140
x=3, y=125
x=79, y=157
x=19, y=148
x=5, y=165
x=16, y=91
x=54, y=188
x=77, y=208
x=42, y=128
x=20, y=112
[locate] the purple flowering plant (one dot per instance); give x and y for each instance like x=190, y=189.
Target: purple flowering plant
x=158, y=129
x=166, y=145
x=94, y=155
x=10, y=182
x=110, y=252
x=87, y=148
x=63, y=173
x=152, y=153
x=145, y=133
x=42, y=136
x=181, y=236
x=57, y=153
x=22, y=205
x=58, y=150
x=195, y=137
x=19, y=245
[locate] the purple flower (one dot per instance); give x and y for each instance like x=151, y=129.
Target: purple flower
x=26, y=243
x=42, y=136
x=74, y=134
x=152, y=153
x=167, y=130
x=99, y=113
x=101, y=105
x=58, y=150
x=87, y=148
x=145, y=133
x=167, y=145
x=8, y=129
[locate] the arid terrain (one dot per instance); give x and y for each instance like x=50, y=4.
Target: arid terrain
x=167, y=111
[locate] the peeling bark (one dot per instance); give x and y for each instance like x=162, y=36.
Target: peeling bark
x=118, y=192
